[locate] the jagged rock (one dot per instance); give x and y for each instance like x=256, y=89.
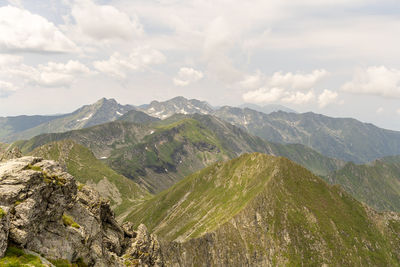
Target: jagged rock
x=4, y=229
x=11, y=153
x=47, y=214
x=145, y=248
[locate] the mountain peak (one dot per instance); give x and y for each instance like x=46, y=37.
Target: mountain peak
x=179, y=104
x=264, y=210
x=106, y=100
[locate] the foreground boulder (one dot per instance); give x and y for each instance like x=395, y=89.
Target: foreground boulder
x=43, y=210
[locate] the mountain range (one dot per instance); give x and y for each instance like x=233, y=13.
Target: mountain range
x=25, y=127
x=209, y=184
x=157, y=154
x=342, y=138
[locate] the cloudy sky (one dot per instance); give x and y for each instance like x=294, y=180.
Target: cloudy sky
x=335, y=57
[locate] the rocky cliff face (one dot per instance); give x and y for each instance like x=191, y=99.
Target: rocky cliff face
x=44, y=211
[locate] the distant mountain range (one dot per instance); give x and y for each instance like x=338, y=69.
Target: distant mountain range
x=267, y=109
x=344, y=139
x=25, y=127
x=157, y=154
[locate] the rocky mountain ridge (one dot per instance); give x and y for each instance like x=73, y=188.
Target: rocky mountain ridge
x=176, y=105
x=43, y=210
x=342, y=138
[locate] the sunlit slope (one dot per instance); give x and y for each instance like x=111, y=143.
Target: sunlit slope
x=262, y=210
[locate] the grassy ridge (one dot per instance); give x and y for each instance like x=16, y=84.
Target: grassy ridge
x=210, y=196
x=271, y=210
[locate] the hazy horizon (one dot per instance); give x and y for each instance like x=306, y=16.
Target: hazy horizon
x=337, y=58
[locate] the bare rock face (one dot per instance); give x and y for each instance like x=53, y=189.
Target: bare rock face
x=4, y=229
x=145, y=247
x=11, y=153
x=45, y=212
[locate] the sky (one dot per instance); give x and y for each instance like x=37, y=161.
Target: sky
x=334, y=57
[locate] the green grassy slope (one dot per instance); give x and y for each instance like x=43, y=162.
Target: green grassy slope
x=206, y=199
x=158, y=154
x=101, y=139
x=123, y=193
x=168, y=154
x=376, y=183
x=260, y=210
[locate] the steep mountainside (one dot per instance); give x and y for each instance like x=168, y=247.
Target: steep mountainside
x=81, y=163
x=104, y=110
x=101, y=139
x=158, y=155
x=376, y=183
x=260, y=210
x=137, y=116
x=13, y=125
x=345, y=139
x=176, y=105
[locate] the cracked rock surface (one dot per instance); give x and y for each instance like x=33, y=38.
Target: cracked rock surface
x=42, y=210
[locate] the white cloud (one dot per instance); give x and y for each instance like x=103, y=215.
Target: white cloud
x=6, y=89
x=288, y=81
x=398, y=111
x=271, y=95
x=327, y=97
x=22, y=31
x=297, y=81
x=187, y=76
x=58, y=74
x=298, y=98
x=119, y=65
x=292, y=88
x=379, y=81
x=17, y=3
x=47, y=75
x=263, y=95
x=103, y=22
x=9, y=60
x=252, y=81
x=380, y=110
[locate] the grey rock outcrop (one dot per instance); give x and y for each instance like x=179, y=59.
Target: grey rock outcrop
x=45, y=212
x=10, y=153
x=4, y=229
